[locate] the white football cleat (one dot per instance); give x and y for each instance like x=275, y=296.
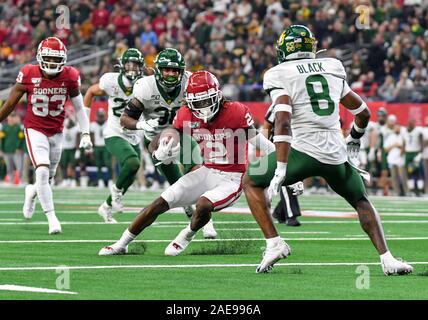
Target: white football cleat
x=113, y=250
x=395, y=267
x=116, y=198
x=104, y=211
x=178, y=245
x=54, y=225
x=209, y=231
x=30, y=201
x=272, y=255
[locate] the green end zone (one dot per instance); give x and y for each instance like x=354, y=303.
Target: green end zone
x=331, y=257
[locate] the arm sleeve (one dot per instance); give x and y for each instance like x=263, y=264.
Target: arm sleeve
x=81, y=113
x=134, y=109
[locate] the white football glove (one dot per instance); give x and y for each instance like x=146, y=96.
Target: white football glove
x=353, y=146
x=277, y=181
x=297, y=188
x=147, y=125
x=85, y=141
x=166, y=153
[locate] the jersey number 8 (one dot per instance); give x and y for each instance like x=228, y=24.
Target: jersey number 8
x=40, y=105
x=315, y=97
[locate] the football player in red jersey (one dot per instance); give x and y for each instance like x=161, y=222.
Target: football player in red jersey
x=222, y=128
x=47, y=85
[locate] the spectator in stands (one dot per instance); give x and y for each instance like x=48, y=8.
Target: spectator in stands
x=387, y=90
x=100, y=16
x=394, y=147
x=148, y=35
x=403, y=87
x=369, y=86
x=69, y=154
x=122, y=21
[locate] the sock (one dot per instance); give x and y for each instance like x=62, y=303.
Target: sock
x=271, y=242
x=189, y=232
x=50, y=215
x=125, y=239
x=386, y=256
x=44, y=190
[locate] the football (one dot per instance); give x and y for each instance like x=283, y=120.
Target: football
x=169, y=133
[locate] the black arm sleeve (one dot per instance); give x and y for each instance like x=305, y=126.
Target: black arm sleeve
x=134, y=109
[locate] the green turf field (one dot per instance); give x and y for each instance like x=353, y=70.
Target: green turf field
x=331, y=257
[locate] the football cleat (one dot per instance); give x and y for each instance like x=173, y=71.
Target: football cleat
x=188, y=211
x=116, y=198
x=104, y=211
x=30, y=201
x=178, y=245
x=113, y=250
x=396, y=267
x=209, y=231
x=54, y=225
x=272, y=255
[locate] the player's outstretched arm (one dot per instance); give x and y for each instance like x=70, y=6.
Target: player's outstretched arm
x=282, y=139
x=130, y=118
x=93, y=91
x=15, y=95
x=359, y=109
x=81, y=117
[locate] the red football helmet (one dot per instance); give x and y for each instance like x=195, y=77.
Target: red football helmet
x=203, y=95
x=51, y=55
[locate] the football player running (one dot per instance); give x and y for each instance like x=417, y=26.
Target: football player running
x=157, y=98
x=306, y=93
x=222, y=129
x=123, y=144
x=47, y=85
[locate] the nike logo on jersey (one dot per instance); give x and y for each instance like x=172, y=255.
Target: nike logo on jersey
x=310, y=67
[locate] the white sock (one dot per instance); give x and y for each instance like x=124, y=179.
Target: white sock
x=125, y=239
x=50, y=215
x=386, y=256
x=44, y=190
x=189, y=232
x=271, y=242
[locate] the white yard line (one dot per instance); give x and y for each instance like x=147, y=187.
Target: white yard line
x=12, y=287
x=203, y=240
x=185, y=266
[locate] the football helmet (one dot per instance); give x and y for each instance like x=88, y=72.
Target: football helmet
x=131, y=64
x=169, y=58
x=203, y=95
x=51, y=55
x=296, y=42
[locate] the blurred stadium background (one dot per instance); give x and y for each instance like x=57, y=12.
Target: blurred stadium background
x=383, y=45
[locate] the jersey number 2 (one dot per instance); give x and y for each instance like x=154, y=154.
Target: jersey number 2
x=316, y=97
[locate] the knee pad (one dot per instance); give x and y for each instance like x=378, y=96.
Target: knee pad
x=42, y=175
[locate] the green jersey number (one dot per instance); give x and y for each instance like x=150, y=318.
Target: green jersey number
x=166, y=115
x=317, y=96
x=121, y=104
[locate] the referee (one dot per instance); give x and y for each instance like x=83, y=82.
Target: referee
x=287, y=210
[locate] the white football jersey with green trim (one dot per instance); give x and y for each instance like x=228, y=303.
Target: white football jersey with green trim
x=315, y=87
x=156, y=103
x=113, y=83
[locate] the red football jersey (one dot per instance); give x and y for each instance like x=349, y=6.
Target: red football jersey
x=223, y=140
x=46, y=97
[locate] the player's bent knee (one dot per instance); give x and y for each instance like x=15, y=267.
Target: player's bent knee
x=42, y=174
x=133, y=163
x=204, y=205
